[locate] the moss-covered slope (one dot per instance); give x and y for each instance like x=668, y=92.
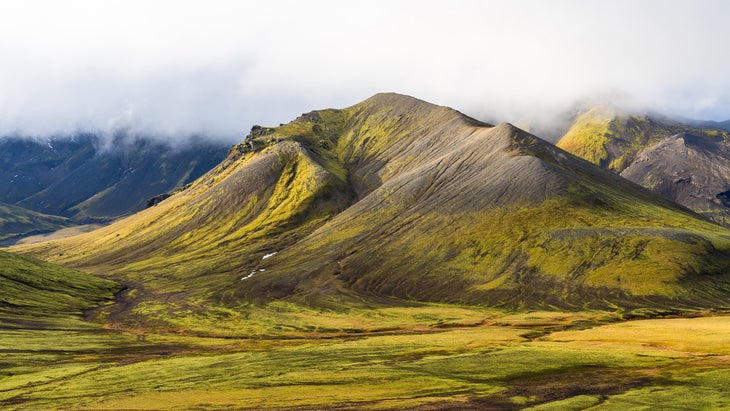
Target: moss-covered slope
x=398, y=198
x=612, y=138
x=36, y=294
x=684, y=164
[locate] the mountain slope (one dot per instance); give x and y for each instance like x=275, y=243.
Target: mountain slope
x=611, y=138
x=38, y=294
x=398, y=198
x=19, y=222
x=684, y=164
x=693, y=170
x=77, y=177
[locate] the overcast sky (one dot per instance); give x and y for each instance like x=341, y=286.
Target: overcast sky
x=218, y=67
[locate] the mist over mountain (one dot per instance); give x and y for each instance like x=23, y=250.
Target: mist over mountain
x=684, y=163
x=96, y=66
x=719, y=125
x=91, y=177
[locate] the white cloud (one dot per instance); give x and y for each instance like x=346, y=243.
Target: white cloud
x=218, y=67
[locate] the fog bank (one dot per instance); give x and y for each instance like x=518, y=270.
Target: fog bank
x=217, y=68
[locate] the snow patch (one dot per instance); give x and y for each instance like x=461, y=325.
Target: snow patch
x=249, y=276
x=269, y=255
x=260, y=270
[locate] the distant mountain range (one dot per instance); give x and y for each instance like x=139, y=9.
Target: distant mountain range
x=89, y=179
x=396, y=198
x=719, y=125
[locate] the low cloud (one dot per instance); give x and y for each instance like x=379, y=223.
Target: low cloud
x=217, y=68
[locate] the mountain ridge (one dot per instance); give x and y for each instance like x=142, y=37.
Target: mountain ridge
x=84, y=178
x=680, y=162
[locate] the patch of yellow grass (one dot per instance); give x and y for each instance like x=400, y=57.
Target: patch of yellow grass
x=699, y=336
x=58, y=234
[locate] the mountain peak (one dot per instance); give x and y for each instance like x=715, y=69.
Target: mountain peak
x=405, y=105
x=391, y=98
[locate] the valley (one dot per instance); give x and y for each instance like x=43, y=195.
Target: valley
x=17, y=222
x=394, y=254
x=424, y=356
x=90, y=177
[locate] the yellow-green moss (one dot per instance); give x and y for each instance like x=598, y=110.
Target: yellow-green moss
x=589, y=136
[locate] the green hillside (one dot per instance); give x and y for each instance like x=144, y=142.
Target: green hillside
x=18, y=222
x=612, y=138
x=36, y=294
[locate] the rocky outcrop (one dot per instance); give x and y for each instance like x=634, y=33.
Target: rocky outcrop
x=151, y=202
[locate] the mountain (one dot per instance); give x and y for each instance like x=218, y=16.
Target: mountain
x=693, y=170
x=682, y=163
x=36, y=294
x=718, y=125
x=396, y=199
x=19, y=222
x=88, y=179
x=612, y=138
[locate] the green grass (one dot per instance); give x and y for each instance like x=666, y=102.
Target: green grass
x=278, y=318
x=50, y=296
x=579, y=402
x=589, y=136
x=694, y=390
x=494, y=365
x=186, y=354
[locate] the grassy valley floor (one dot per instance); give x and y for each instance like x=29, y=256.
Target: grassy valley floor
x=285, y=356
